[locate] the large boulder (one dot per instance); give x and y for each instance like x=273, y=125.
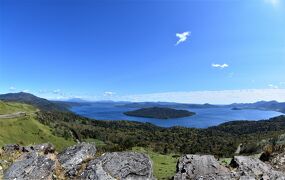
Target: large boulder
x=31, y=166
x=241, y=167
x=247, y=167
x=200, y=167
x=119, y=165
x=73, y=157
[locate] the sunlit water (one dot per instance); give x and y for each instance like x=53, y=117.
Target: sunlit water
x=203, y=118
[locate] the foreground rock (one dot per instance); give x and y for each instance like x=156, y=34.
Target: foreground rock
x=277, y=160
x=253, y=168
x=241, y=167
x=72, y=158
x=76, y=162
x=80, y=162
x=200, y=167
x=119, y=165
x=31, y=166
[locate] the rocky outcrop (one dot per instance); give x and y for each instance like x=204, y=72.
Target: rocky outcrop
x=241, y=167
x=72, y=158
x=80, y=162
x=76, y=162
x=200, y=167
x=276, y=160
x=31, y=166
x=119, y=165
x=252, y=168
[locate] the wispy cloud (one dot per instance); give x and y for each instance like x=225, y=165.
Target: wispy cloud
x=214, y=97
x=109, y=93
x=182, y=37
x=222, y=66
x=12, y=88
x=274, y=3
x=57, y=91
x=273, y=86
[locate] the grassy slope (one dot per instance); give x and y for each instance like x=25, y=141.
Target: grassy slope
x=8, y=108
x=164, y=165
x=26, y=130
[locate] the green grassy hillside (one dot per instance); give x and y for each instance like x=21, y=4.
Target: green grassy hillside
x=8, y=108
x=26, y=130
x=164, y=166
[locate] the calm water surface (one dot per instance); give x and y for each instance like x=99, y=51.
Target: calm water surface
x=203, y=118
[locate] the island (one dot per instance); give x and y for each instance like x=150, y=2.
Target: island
x=159, y=113
x=236, y=108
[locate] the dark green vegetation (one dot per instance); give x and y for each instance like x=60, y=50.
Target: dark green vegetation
x=35, y=101
x=236, y=109
x=121, y=135
x=159, y=113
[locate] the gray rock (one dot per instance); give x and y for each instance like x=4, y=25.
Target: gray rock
x=11, y=148
x=45, y=148
x=201, y=167
x=252, y=168
x=277, y=160
x=119, y=165
x=72, y=158
x=31, y=166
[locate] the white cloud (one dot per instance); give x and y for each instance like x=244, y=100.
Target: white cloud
x=182, y=37
x=274, y=3
x=12, y=88
x=199, y=97
x=109, y=93
x=42, y=91
x=214, y=97
x=26, y=90
x=57, y=91
x=222, y=66
x=273, y=86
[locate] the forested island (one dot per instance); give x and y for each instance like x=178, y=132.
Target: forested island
x=159, y=113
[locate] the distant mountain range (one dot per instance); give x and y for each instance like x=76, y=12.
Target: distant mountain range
x=41, y=103
x=47, y=105
x=262, y=105
x=166, y=104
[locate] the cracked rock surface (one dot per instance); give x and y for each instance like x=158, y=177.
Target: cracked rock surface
x=119, y=165
x=31, y=166
x=72, y=158
x=204, y=167
x=200, y=167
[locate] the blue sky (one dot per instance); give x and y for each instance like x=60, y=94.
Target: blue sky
x=144, y=50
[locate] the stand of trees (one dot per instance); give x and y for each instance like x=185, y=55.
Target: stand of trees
x=220, y=140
